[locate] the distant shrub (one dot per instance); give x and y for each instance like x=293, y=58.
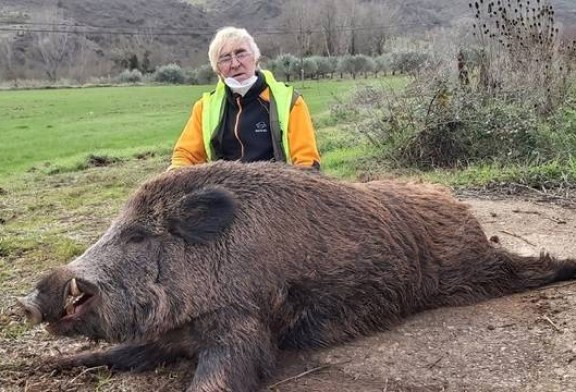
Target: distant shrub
x=306, y=67
x=286, y=65
x=171, y=73
x=190, y=76
x=129, y=76
x=409, y=61
x=365, y=64
x=325, y=65
x=204, y=74
x=346, y=65
x=270, y=65
x=383, y=63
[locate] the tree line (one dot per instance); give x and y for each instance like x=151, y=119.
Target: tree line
x=289, y=68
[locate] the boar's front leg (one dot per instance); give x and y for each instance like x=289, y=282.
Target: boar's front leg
x=136, y=357
x=239, y=357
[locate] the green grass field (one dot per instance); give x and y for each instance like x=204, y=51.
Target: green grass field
x=48, y=129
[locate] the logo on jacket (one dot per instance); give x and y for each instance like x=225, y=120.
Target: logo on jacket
x=261, y=127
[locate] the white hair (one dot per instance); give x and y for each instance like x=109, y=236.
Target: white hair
x=225, y=35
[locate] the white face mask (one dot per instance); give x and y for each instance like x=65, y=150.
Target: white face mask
x=240, y=87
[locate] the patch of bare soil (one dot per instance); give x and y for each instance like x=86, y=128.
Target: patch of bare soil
x=524, y=342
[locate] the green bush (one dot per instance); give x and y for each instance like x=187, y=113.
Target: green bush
x=409, y=61
x=460, y=134
x=171, y=73
x=129, y=76
x=326, y=66
x=203, y=75
x=285, y=66
x=309, y=66
x=438, y=123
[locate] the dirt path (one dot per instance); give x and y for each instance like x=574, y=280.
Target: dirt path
x=525, y=342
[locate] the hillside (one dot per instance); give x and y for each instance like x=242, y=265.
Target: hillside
x=111, y=32
x=171, y=23
x=426, y=12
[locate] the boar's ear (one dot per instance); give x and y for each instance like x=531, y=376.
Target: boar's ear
x=202, y=215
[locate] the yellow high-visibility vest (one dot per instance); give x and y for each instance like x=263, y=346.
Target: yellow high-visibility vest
x=282, y=98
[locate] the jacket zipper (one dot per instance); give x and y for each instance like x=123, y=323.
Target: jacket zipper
x=236, y=128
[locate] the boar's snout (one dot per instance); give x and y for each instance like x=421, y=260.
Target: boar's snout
x=27, y=307
x=57, y=299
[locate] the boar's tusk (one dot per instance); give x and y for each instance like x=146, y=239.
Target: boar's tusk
x=75, y=294
x=74, y=290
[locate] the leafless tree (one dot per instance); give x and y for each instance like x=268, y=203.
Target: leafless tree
x=85, y=62
x=377, y=21
x=301, y=20
x=7, y=63
x=319, y=26
x=352, y=25
x=331, y=23
x=53, y=46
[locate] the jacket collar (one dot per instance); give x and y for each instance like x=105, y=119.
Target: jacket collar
x=254, y=92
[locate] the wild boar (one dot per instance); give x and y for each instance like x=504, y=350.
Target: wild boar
x=229, y=263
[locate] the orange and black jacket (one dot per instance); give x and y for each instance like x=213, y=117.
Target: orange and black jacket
x=245, y=134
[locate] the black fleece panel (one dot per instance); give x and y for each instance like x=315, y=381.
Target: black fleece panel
x=245, y=130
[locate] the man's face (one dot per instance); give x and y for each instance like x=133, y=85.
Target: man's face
x=236, y=61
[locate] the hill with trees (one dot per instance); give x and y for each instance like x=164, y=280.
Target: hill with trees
x=55, y=39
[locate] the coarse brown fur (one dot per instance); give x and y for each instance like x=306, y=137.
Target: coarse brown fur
x=229, y=263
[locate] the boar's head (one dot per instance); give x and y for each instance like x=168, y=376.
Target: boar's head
x=151, y=271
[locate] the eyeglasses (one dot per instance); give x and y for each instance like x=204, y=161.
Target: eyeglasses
x=226, y=61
